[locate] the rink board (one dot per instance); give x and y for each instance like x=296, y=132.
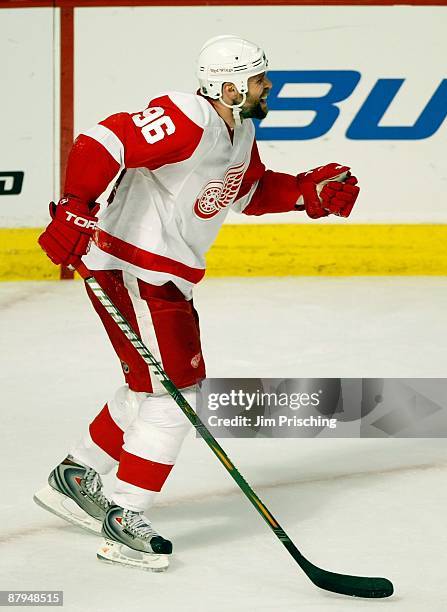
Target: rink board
x=402, y=176
x=277, y=250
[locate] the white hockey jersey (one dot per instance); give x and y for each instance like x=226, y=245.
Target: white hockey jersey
x=180, y=171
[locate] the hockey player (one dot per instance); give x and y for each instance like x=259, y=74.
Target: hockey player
x=179, y=166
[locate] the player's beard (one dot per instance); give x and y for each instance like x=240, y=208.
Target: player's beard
x=254, y=109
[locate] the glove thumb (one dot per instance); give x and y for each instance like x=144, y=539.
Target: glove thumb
x=52, y=210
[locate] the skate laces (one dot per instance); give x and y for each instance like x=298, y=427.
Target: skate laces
x=93, y=486
x=138, y=524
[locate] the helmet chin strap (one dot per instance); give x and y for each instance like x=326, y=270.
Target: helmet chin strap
x=236, y=108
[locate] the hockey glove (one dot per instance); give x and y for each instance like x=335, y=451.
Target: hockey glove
x=327, y=190
x=68, y=235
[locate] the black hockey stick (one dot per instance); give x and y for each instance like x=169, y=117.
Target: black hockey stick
x=357, y=586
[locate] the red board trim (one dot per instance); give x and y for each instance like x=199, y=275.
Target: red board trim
x=66, y=89
x=102, y=3
x=66, y=99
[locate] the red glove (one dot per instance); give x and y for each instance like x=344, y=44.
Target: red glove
x=328, y=190
x=68, y=235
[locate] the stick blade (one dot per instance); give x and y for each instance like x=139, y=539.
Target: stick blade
x=355, y=586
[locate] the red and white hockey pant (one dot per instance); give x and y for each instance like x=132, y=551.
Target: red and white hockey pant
x=141, y=427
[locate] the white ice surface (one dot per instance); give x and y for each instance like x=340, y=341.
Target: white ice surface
x=372, y=507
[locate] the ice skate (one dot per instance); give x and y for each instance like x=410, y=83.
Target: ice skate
x=130, y=540
x=74, y=493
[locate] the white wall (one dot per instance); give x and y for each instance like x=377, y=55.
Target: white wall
x=27, y=113
x=124, y=56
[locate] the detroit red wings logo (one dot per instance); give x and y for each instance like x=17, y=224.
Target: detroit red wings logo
x=219, y=194
x=195, y=361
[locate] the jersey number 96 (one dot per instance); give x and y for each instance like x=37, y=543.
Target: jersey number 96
x=154, y=126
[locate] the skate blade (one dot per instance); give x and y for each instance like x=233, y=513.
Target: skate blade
x=57, y=503
x=113, y=552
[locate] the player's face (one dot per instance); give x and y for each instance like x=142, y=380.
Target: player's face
x=259, y=87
